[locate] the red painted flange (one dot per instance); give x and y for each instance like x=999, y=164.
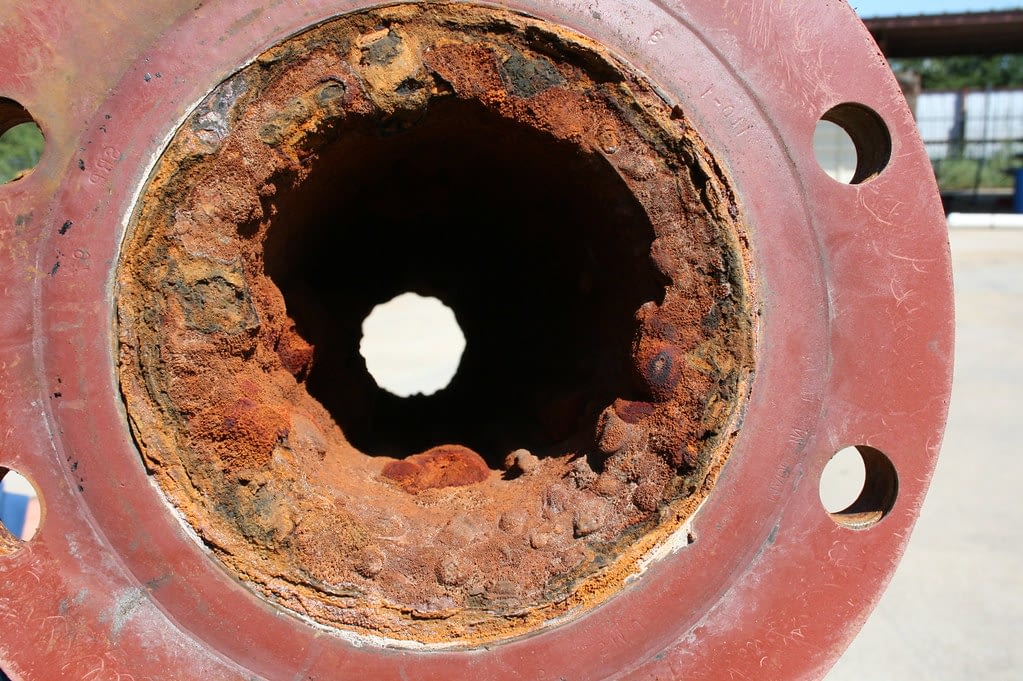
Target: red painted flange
x=855, y=348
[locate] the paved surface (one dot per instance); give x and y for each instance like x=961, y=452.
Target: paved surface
x=954, y=610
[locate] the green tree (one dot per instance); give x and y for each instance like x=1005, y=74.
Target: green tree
x=957, y=73
x=20, y=148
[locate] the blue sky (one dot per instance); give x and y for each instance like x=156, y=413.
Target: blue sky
x=885, y=8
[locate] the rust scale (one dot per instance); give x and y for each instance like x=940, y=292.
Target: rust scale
x=442, y=466
x=237, y=360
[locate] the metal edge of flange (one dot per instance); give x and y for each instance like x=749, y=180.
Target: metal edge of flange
x=653, y=34
x=45, y=580
x=889, y=283
x=160, y=72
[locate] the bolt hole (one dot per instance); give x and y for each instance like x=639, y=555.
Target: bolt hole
x=20, y=512
x=858, y=487
x=852, y=143
x=21, y=141
x=412, y=345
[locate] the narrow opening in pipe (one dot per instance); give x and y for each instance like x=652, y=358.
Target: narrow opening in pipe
x=412, y=345
x=541, y=248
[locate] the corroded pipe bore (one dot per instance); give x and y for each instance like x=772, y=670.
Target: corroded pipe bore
x=589, y=245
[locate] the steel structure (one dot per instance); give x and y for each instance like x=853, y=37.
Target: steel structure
x=752, y=317
x=944, y=35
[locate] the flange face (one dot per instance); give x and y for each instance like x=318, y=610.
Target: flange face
x=684, y=320
x=366, y=156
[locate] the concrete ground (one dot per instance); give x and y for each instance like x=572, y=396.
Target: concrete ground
x=954, y=610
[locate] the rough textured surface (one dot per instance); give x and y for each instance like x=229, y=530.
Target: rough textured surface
x=612, y=322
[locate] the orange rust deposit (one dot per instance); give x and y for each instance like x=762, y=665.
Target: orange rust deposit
x=443, y=466
x=585, y=237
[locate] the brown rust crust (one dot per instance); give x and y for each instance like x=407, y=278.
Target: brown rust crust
x=434, y=548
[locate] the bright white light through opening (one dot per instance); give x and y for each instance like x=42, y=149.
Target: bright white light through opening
x=412, y=345
x=835, y=151
x=842, y=480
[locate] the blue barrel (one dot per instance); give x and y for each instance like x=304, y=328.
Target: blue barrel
x=13, y=508
x=1017, y=199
